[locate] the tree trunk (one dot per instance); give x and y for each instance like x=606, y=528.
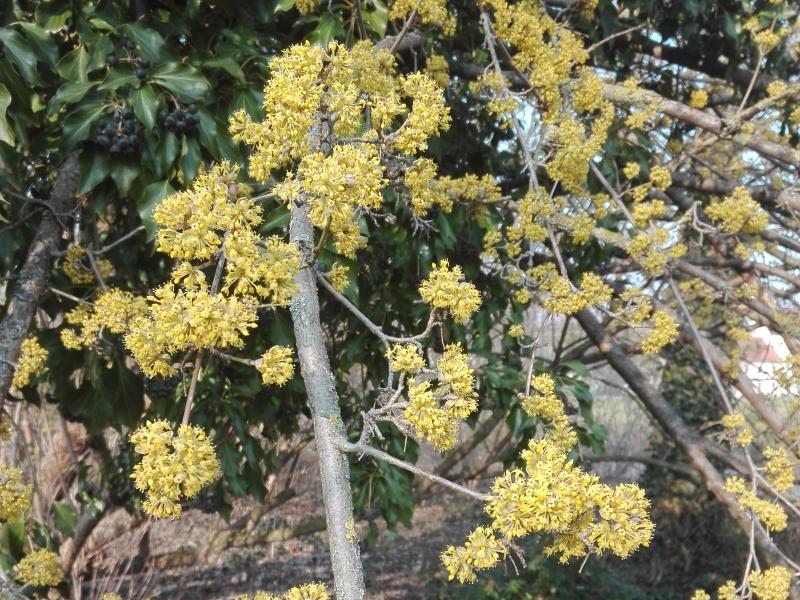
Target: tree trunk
x=328, y=426
x=35, y=273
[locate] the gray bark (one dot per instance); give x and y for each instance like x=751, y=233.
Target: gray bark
x=328, y=426
x=34, y=276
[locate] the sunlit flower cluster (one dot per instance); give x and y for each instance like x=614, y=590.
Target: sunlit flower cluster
x=336, y=186
x=565, y=299
x=435, y=411
x=445, y=288
x=771, y=584
x=779, y=470
x=736, y=424
x=173, y=466
x=430, y=12
x=31, y=362
x=40, y=568
x=405, y=358
x=310, y=591
x=15, y=496
x=664, y=332
x=738, y=213
x=552, y=496
x=113, y=311
x=770, y=513
x=698, y=99
x=277, y=365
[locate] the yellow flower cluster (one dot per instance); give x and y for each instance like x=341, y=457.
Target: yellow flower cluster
x=182, y=319
x=738, y=213
x=336, y=186
x=779, y=469
x=429, y=114
x=420, y=179
x=653, y=250
x=445, y=288
x=631, y=170
x=277, y=365
x=660, y=177
x=770, y=513
x=771, y=584
x=346, y=92
x=700, y=595
x=78, y=271
x=737, y=425
x=588, y=94
x=15, y=496
x=427, y=191
x=574, y=149
x=563, y=299
x=405, y=358
x=291, y=99
x=113, y=310
x=516, y=331
x=172, y=466
x=31, y=362
x=434, y=412
x=664, y=332
x=698, y=99
x=310, y=591
x=40, y=568
x=546, y=51
x=430, y=12
x=645, y=212
x=552, y=496
x=339, y=276
x=482, y=550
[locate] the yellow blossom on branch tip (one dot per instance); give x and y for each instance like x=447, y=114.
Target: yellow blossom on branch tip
x=40, y=568
x=277, y=365
x=664, y=332
x=771, y=584
x=31, y=362
x=15, y=496
x=406, y=358
x=445, y=288
x=173, y=466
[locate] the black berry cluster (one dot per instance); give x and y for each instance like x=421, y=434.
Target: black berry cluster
x=140, y=66
x=179, y=120
x=119, y=134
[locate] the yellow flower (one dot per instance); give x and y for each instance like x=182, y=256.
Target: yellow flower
x=31, y=362
x=277, y=365
x=779, y=470
x=631, y=170
x=15, y=496
x=40, y=568
x=738, y=213
x=516, y=331
x=771, y=584
x=172, y=466
x=660, y=177
x=339, y=276
x=405, y=357
x=665, y=331
x=698, y=99
x=445, y=288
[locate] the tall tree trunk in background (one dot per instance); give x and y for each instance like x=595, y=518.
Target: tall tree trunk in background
x=328, y=426
x=34, y=276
